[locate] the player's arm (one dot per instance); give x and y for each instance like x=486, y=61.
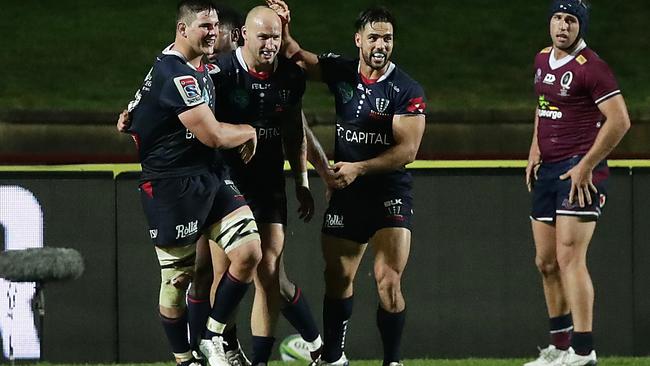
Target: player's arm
x=534, y=157
x=295, y=148
x=617, y=122
x=407, y=132
x=316, y=155
x=219, y=135
x=290, y=47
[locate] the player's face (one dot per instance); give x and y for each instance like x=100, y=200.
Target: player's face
x=263, y=38
x=375, y=43
x=202, y=32
x=224, y=42
x=564, y=30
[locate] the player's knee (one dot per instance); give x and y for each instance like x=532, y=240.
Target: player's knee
x=388, y=280
x=547, y=266
x=201, y=283
x=173, y=286
x=338, y=282
x=250, y=256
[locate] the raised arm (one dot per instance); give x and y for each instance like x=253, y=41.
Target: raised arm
x=291, y=49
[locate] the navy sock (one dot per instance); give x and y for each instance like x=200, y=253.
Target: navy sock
x=299, y=316
x=390, y=327
x=229, y=293
x=176, y=332
x=198, y=312
x=336, y=314
x=262, y=348
x=230, y=336
x=582, y=343
x=561, y=327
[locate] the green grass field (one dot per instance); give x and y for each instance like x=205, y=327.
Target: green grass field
x=604, y=361
x=469, y=55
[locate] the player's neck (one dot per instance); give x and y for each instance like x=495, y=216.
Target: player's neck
x=560, y=53
x=371, y=73
x=191, y=57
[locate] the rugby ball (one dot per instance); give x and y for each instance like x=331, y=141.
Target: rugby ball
x=294, y=348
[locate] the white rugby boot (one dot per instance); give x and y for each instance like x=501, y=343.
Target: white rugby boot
x=549, y=356
x=573, y=359
x=237, y=357
x=343, y=361
x=213, y=352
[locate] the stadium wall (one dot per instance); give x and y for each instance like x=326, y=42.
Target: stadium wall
x=471, y=285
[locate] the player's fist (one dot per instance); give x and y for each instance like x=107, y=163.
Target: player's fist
x=281, y=8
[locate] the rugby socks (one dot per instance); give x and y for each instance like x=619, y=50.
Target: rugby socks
x=582, y=343
x=176, y=332
x=299, y=315
x=198, y=313
x=561, y=327
x=262, y=348
x=230, y=336
x=230, y=291
x=390, y=327
x=336, y=314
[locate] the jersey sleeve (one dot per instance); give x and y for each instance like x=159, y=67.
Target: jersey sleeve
x=298, y=83
x=412, y=101
x=181, y=93
x=600, y=82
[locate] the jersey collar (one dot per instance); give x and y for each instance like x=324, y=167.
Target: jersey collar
x=556, y=64
x=259, y=75
x=168, y=51
x=391, y=67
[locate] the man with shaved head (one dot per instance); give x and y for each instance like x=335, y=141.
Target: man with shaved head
x=255, y=86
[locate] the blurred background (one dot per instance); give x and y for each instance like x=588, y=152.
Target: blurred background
x=70, y=66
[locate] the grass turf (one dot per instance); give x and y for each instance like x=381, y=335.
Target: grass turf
x=469, y=55
x=602, y=361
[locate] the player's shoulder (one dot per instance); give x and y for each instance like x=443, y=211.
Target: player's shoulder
x=588, y=59
x=545, y=50
x=404, y=80
x=224, y=63
x=289, y=68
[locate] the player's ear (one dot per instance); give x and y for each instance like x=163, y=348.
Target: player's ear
x=357, y=39
x=235, y=35
x=181, y=28
x=243, y=33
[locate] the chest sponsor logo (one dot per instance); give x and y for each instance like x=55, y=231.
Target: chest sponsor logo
x=362, y=137
x=549, y=79
x=191, y=228
x=538, y=76
x=381, y=104
x=565, y=82
x=345, y=91
x=189, y=135
x=334, y=221
x=189, y=90
x=268, y=133
x=546, y=110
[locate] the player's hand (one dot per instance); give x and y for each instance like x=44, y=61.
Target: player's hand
x=531, y=173
x=306, y=203
x=247, y=149
x=581, y=184
x=281, y=8
x=345, y=173
x=123, y=122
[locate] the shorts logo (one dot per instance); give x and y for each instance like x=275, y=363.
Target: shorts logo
x=394, y=207
x=334, y=221
x=189, y=90
x=153, y=233
x=191, y=228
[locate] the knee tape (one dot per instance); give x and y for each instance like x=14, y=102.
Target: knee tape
x=176, y=270
x=234, y=230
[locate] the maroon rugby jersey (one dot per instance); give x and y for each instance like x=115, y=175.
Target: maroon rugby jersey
x=569, y=91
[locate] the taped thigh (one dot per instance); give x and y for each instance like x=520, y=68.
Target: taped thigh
x=235, y=229
x=176, y=271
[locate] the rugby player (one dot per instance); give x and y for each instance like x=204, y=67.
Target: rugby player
x=176, y=133
x=580, y=117
x=380, y=123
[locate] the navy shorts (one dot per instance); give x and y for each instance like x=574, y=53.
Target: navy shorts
x=357, y=217
x=551, y=195
x=178, y=210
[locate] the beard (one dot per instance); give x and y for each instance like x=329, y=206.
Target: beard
x=373, y=62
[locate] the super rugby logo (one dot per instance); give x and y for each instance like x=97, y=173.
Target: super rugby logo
x=381, y=104
x=189, y=90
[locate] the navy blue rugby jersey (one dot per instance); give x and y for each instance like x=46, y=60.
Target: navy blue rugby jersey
x=166, y=148
x=261, y=100
x=364, y=116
